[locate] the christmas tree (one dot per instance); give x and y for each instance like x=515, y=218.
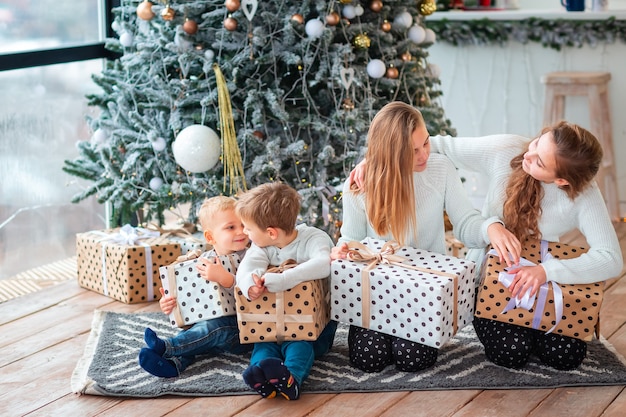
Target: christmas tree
x=288, y=86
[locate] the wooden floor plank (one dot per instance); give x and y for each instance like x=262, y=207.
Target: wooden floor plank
x=432, y=403
x=577, y=402
x=44, y=334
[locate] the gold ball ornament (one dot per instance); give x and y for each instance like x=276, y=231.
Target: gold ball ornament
x=392, y=72
x=190, y=27
x=362, y=41
x=144, y=10
x=406, y=56
x=333, y=18
x=376, y=6
x=168, y=13
x=347, y=104
x=298, y=18
x=386, y=26
x=428, y=7
x=230, y=23
x=232, y=5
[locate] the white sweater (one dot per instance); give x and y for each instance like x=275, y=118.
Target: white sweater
x=491, y=156
x=437, y=188
x=310, y=249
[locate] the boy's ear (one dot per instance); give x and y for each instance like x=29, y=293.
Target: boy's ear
x=208, y=236
x=272, y=233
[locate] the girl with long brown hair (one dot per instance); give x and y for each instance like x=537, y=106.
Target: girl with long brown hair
x=542, y=188
x=403, y=198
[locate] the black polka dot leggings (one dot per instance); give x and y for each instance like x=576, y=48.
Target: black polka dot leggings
x=510, y=345
x=372, y=351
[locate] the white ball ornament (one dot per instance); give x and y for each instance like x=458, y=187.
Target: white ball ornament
x=376, y=68
x=159, y=144
x=197, y=148
x=349, y=11
x=358, y=10
x=126, y=39
x=209, y=54
x=431, y=37
x=434, y=70
x=99, y=137
x=417, y=34
x=314, y=28
x=403, y=20
x=156, y=183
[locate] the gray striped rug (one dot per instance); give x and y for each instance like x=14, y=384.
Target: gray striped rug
x=109, y=367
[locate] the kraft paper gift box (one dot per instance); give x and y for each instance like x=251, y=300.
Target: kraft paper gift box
x=124, y=263
x=413, y=294
x=300, y=313
x=191, y=242
x=564, y=309
x=196, y=298
x=455, y=247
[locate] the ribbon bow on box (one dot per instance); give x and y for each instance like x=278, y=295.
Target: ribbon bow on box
x=359, y=252
x=527, y=300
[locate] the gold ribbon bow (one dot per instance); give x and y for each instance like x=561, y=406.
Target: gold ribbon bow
x=189, y=255
x=359, y=252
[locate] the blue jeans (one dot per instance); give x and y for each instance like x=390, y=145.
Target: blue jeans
x=209, y=337
x=297, y=355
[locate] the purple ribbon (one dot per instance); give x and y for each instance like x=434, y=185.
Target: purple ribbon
x=527, y=301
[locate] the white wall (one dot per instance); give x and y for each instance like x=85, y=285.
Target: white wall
x=494, y=89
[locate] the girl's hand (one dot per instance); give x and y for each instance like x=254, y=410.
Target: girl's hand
x=505, y=244
x=357, y=175
x=167, y=302
x=339, y=252
x=527, y=278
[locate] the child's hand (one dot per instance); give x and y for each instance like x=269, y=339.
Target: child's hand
x=339, y=252
x=212, y=270
x=527, y=278
x=357, y=175
x=167, y=302
x=257, y=289
x=505, y=243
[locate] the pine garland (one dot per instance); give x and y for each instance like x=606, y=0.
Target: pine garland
x=551, y=33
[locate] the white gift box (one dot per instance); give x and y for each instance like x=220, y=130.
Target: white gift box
x=410, y=293
x=198, y=299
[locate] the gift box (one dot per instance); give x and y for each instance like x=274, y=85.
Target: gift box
x=196, y=298
x=455, y=247
x=568, y=310
x=410, y=293
x=191, y=242
x=123, y=263
x=300, y=313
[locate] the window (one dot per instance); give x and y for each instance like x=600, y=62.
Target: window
x=48, y=51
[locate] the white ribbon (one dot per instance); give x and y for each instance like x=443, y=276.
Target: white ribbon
x=527, y=300
x=129, y=236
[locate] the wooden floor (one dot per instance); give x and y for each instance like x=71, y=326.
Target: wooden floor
x=44, y=333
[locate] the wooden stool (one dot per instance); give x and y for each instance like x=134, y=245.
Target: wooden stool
x=594, y=85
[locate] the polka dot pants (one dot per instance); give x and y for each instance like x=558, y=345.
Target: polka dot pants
x=372, y=351
x=510, y=345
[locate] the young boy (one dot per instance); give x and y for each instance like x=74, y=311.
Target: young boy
x=169, y=357
x=268, y=213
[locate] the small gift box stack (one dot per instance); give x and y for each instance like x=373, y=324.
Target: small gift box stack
x=569, y=310
x=300, y=313
x=123, y=263
x=196, y=298
x=413, y=294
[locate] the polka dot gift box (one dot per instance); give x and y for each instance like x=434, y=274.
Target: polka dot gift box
x=124, y=263
x=198, y=299
x=410, y=293
x=300, y=313
x=568, y=310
